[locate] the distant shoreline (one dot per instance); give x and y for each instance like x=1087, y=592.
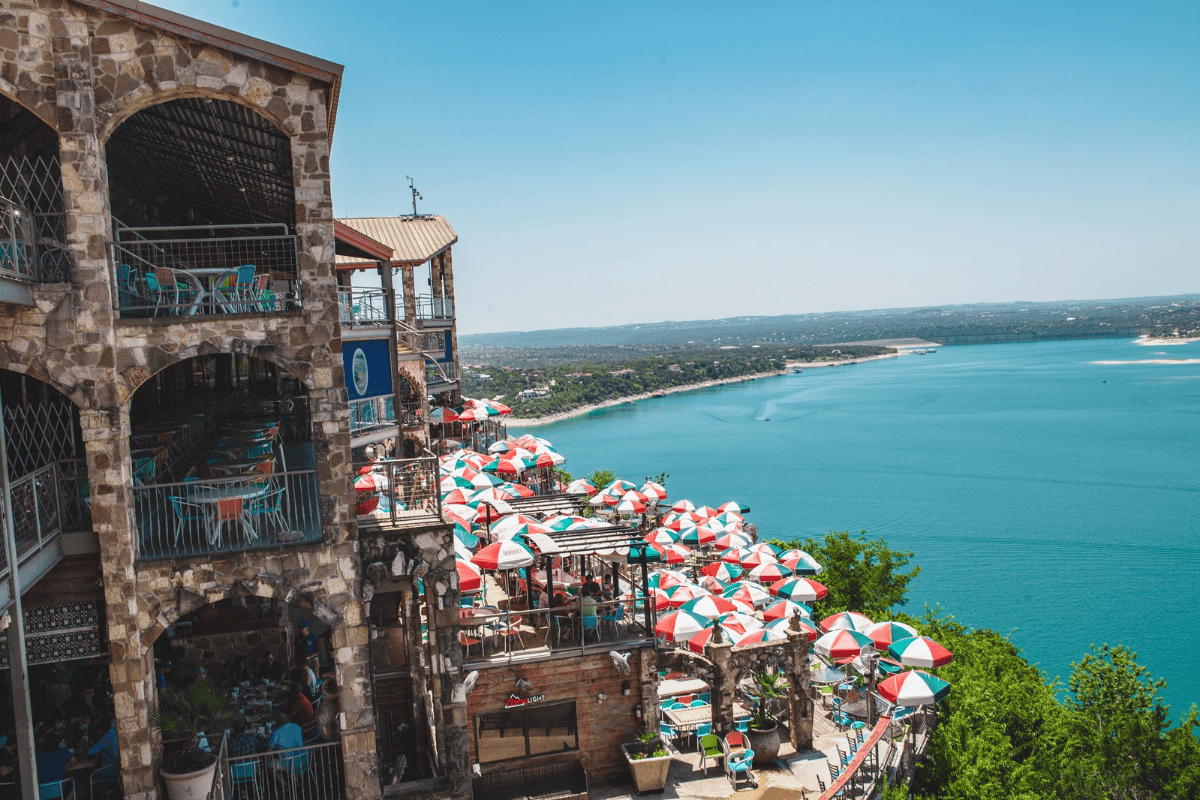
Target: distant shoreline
x=534, y=422
x=1146, y=340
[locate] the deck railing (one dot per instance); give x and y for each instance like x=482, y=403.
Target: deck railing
x=312, y=772
x=444, y=373
x=364, y=307
x=434, y=307
x=380, y=412
x=211, y=516
x=405, y=491
x=216, y=269
x=36, y=510
x=18, y=242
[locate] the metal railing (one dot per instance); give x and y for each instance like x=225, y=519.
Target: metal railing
x=442, y=372
x=363, y=307
x=221, y=787
x=210, y=516
x=380, y=412
x=18, y=241
x=431, y=306
x=491, y=637
x=36, y=511
x=405, y=491
x=311, y=772
x=214, y=269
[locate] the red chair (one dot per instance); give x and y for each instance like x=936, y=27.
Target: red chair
x=735, y=741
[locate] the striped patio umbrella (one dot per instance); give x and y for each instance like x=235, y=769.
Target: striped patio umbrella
x=782, y=609
x=658, y=598
x=747, y=592
x=683, y=505
x=733, y=539
x=850, y=620
x=706, y=511
x=463, y=512
x=680, y=625
x=753, y=559
x=841, y=644
x=619, y=487
x=667, y=578
x=548, y=458
x=802, y=590
x=503, y=555
x=452, y=482
x=884, y=633
x=516, y=521
x=734, y=555
x=502, y=446
x=769, y=573
x=722, y=571
x=735, y=507
x=740, y=622
x=514, y=490
x=655, y=491
x=687, y=519
x=672, y=553
x=581, y=486
x=442, y=414
x=566, y=523
x=766, y=547
x=681, y=594
x=757, y=637
x=913, y=688
x=457, y=497
x=920, y=651
x=710, y=584
x=786, y=624
x=513, y=531
x=800, y=562
x=470, y=578
x=710, y=607
x=465, y=537
x=700, y=535
x=663, y=536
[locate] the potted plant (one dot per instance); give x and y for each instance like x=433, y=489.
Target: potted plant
x=183, y=714
x=649, y=762
x=763, y=733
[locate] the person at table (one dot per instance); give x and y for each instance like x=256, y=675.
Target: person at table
x=110, y=759
x=299, y=709
x=244, y=742
x=589, y=582
x=270, y=669
x=606, y=588
x=285, y=740
x=306, y=643
x=53, y=761
x=308, y=681
x=240, y=672
x=587, y=602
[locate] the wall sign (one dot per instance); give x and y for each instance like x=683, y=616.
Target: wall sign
x=368, y=367
x=516, y=702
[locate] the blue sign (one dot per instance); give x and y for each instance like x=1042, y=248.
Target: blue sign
x=368, y=366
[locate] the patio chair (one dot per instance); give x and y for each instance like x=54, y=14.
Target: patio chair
x=665, y=730
x=225, y=292
x=56, y=789
x=245, y=287
x=734, y=741
x=270, y=506
x=709, y=747
x=737, y=767
x=615, y=619
x=697, y=704
x=186, y=512
x=590, y=624
x=245, y=774
x=741, y=725
x=470, y=641
x=263, y=296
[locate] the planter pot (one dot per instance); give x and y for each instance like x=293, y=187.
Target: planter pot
x=190, y=785
x=649, y=774
x=764, y=742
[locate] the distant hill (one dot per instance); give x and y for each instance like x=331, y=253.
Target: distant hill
x=952, y=324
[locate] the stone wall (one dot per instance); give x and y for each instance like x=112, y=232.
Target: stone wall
x=603, y=725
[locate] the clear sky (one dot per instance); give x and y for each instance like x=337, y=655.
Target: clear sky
x=617, y=162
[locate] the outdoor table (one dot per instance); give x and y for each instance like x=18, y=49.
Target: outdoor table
x=857, y=709
x=689, y=719
x=827, y=676
x=675, y=688
x=562, y=579
x=215, y=496
x=235, y=465
x=204, y=292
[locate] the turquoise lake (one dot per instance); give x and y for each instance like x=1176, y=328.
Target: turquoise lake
x=1043, y=495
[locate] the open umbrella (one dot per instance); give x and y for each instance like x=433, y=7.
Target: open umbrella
x=581, y=486
x=747, y=592
x=672, y=553
x=700, y=535
x=913, y=688
x=663, y=536
x=683, y=505
x=756, y=637
x=666, y=578
x=711, y=584
x=884, y=633
x=800, y=562
x=734, y=555
x=786, y=623
x=722, y=571
x=851, y=620
x=654, y=490
x=782, y=609
x=503, y=555
x=753, y=559
x=841, y=644
x=470, y=579
x=920, y=651
x=681, y=594
x=710, y=607
x=733, y=539
x=802, y=590
x=680, y=625
x=766, y=547
x=769, y=573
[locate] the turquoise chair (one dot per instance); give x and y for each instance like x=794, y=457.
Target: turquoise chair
x=591, y=624
x=56, y=789
x=245, y=773
x=737, y=767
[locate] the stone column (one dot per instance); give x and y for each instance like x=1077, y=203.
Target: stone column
x=724, y=682
x=648, y=678
x=448, y=278
x=800, y=704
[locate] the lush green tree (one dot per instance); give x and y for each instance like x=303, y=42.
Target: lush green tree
x=602, y=477
x=862, y=574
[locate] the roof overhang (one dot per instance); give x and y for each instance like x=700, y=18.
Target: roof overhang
x=356, y=244
x=292, y=60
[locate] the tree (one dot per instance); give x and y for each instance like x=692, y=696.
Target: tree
x=861, y=574
x=602, y=477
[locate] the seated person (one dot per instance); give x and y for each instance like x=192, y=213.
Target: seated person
x=299, y=709
x=308, y=681
x=53, y=761
x=270, y=669
x=240, y=672
x=606, y=588
x=244, y=742
x=589, y=580
x=285, y=739
x=587, y=603
x=106, y=747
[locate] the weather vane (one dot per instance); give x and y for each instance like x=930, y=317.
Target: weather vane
x=415, y=194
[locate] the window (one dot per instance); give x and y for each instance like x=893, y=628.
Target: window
x=526, y=731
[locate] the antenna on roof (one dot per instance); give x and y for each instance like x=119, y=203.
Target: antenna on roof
x=415, y=194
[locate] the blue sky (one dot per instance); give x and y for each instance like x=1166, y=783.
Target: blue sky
x=607, y=163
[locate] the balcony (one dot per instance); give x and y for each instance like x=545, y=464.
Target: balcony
x=364, y=308
x=31, y=251
x=379, y=413
x=397, y=494
x=435, y=309
x=441, y=376
x=204, y=270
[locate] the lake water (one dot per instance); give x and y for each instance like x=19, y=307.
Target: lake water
x=1043, y=495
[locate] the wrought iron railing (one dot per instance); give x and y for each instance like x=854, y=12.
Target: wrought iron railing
x=441, y=372
x=432, y=306
x=399, y=492
x=217, y=269
x=311, y=772
x=18, y=242
x=210, y=516
x=36, y=511
x=363, y=307
x=380, y=412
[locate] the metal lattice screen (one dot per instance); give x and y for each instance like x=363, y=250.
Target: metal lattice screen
x=38, y=434
x=36, y=185
x=59, y=633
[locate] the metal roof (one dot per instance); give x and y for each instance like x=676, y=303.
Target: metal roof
x=207, y=33
x=414, y=240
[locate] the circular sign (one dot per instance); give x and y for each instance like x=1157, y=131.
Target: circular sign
x=359, y=366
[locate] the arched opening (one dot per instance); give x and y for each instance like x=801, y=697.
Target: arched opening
x=32, y=223
x=222, y=458
x=203, y=204
x=273, y=663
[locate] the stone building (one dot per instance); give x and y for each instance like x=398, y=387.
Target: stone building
x=168, y=306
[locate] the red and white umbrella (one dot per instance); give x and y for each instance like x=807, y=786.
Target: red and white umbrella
x=754, y=559
x=632, y=503
x=548, y=458
x=757, y=637
x=841, y=644
x=734, y=555
x=710, y=584
x=619, y=487
x=684, y=592
x=802, y=590
x=848, y=620
x=470, y=578
x=733, y=539
x=914, y=688
x=920, y=651
x=503, y=555
x=747, y=592
x=741, y=622
x=658, y=598
x=663, y=536
x=581, y=486
x=722, y=570
x=706, y=512
x=680, y=625
x=710, y=607
x=765, y=547
x=463, y=512
x=456, y=497
x=672, y=553
x=700, y=535
x=800, y=562
x=769, y=573
x=737, y=508
x=884, y=633
x=654, y=490
x=786, y=623
x=783, y=609
x=683, y=505
x=667, y=578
